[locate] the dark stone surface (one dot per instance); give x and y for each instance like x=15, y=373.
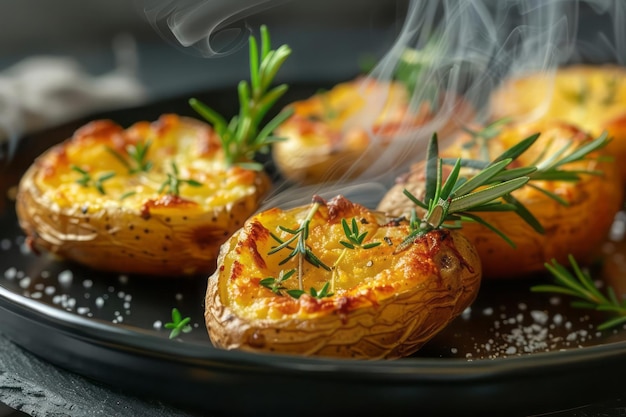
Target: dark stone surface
x=40, y=389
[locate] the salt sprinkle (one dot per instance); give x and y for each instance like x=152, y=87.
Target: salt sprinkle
x=10, y=273
x=87, y=283
x=66, y=277
x=157, y=325
x=5, y=244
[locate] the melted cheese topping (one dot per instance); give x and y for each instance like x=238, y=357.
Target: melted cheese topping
x=97, y=148
x=362, y=277
x=586, y=96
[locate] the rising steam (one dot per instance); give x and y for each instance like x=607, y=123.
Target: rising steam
x=209, y=27
x=467, y=47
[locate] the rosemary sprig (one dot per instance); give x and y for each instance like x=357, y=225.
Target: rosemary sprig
x=301, y=249
x=243, y=137
x=178, y=324
x=580, y=285
x=480, y=138
x=86, y=180
x=172, y=183
x=546, y=167
x=138, y=154
x=458, y=198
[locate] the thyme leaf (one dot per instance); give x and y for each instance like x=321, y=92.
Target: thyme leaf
x=300, y=250
x=178, y=324
x=138, y=154
x=276, y=284
x=86, y=179
x=172, y=183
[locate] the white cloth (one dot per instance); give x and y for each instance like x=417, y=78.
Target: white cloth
x=41, y=91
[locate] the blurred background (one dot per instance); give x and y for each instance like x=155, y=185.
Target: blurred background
x=69, y=58
x=98, y=34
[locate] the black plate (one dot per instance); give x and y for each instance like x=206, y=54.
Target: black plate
x=513, y=352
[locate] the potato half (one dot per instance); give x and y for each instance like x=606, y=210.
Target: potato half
x=89, y=201
x=385, y=302
x=592, y=97
x=339, y=133
x=578, y=228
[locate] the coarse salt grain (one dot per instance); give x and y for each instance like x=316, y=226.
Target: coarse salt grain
x=66, y=277
x=10, y=273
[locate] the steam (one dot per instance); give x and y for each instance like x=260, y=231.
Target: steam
x=466, y=49
x=209, y=27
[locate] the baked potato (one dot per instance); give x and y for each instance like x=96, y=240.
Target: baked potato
x=339, y=133
x=577, y=228
x=369, y=301
x=156, y=198
x=592, y=97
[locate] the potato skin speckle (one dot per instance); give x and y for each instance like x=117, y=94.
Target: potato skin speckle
x=387, y=308
x=578, y=228
x=120, y=233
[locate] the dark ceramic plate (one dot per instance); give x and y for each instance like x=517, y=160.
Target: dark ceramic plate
x=513, y=353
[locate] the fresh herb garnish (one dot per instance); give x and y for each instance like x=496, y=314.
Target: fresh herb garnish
x=581, y=96
x=355, y=240
x=178, y=324
x=243, y=137
x=580, y=285
x=85, y=180
x=546, y=168
x=480, y=138
x=276, y=284
x=301, y=249
x=173, y=182
x=127, y=194
x=322, y=293
x=611, y=88
x=458, y=198
x=138, y=154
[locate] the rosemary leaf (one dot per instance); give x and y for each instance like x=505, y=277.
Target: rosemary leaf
x=483, y=196
x=432, y=164
x=481, y=178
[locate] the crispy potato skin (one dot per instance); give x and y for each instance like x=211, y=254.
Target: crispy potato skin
x=338, y=134
x=592, y=97
x=576, y=229
x=384, y=305
x=149, y=232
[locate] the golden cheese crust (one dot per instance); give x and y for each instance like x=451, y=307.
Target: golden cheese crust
x=339, y=133
x=592, y=97
x=578, y=228
x=383, y=303
x=89, y=201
